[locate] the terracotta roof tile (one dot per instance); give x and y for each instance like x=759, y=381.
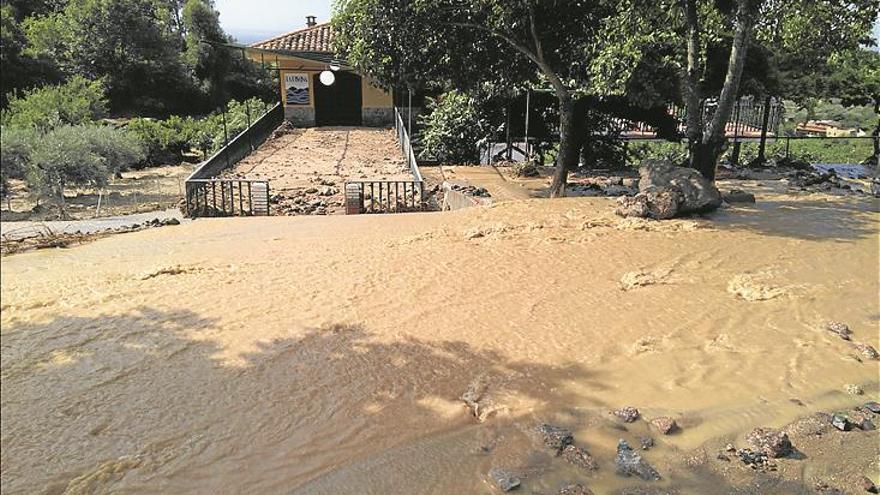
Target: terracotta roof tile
x=317, y=38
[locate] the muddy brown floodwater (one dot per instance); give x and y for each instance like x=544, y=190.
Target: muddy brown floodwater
x=328, y=355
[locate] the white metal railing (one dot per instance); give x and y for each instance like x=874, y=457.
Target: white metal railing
x=403, y=138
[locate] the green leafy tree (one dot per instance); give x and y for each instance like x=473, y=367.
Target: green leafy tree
x=575, y=48
x=77, y=101
x=791, y=24
x=453, y=128
x=19, y=71
x=62, y=158
x=121, y=41
x=16, y=147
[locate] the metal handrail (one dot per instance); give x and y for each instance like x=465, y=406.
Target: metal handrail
x=406, y=145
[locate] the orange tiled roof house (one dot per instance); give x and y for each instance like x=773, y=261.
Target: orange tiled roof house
x=300, y=57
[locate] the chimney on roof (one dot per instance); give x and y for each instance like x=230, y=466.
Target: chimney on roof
x=310, y=21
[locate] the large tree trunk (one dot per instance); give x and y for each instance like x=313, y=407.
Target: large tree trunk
x=876, y=140
x=765, y=121
x=567, y=159
x=692, y=97
x=714, y=138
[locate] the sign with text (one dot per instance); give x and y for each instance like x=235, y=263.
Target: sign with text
x=296, y=87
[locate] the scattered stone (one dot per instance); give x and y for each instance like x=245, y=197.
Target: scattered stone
x=171, y=221
x=627, y=414
x=872, y=406
x=868, y=351
x=312, y=190
x=861, y=420
x=575, y=489
x=738, y=196
x=630, y=463
x=665, y=424
x=841, y=422
x=646, y=442
x=774, y=443
x=853, y=389
x=722, y=457
x=841, y=329
x=730, y=448
x=755, y=460
x=474, y=234
x=327, y=191
x=503, y=479
x=555, y=437
x=579, y=457
x=865, y=484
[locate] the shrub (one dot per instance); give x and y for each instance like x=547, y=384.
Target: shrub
x=163, y=140
x=75, y=102
x=65, y=157
x=16, y=147
x=119, y=148
x=639, y=150
x=453, y=128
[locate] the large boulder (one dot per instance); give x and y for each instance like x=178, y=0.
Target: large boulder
x=697, y=194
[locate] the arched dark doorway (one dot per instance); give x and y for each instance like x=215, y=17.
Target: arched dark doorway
x=339, y=103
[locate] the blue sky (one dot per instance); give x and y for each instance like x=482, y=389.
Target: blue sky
x=254, y=20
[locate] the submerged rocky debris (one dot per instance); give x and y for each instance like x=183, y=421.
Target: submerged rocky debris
x=555, y=437
x=630, y=463
x=665, y=424
x=504, y=479
x=840, y=329
x=579, y=457
x=774, y=443
x=627, y=414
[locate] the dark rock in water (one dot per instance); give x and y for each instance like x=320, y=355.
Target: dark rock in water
x=503, y=479
x=171, y=221
x=627, y=414
x=665, y=424
x=872, y=406
x=868, y=351
x=738, y=196
x=865, y=484
x=774, y=443
x=555, y=437
x=841, y=422
x=697, y=194
x=646, y=442
x=861, y=420
x=579, y=457
x=630, y=463
x=841, y=329
x=575, y=489
x=755, y=459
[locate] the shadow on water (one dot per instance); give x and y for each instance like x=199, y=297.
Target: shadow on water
x=842, y=220
x=157, y=401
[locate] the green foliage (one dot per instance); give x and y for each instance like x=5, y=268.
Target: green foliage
x=837, y=151
x=65, y=157
x=149, y=53
x=16, y=147
x=453, y=128
x=75, y=102
x=118, y=148
x=165, y=141
x=640, y=150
